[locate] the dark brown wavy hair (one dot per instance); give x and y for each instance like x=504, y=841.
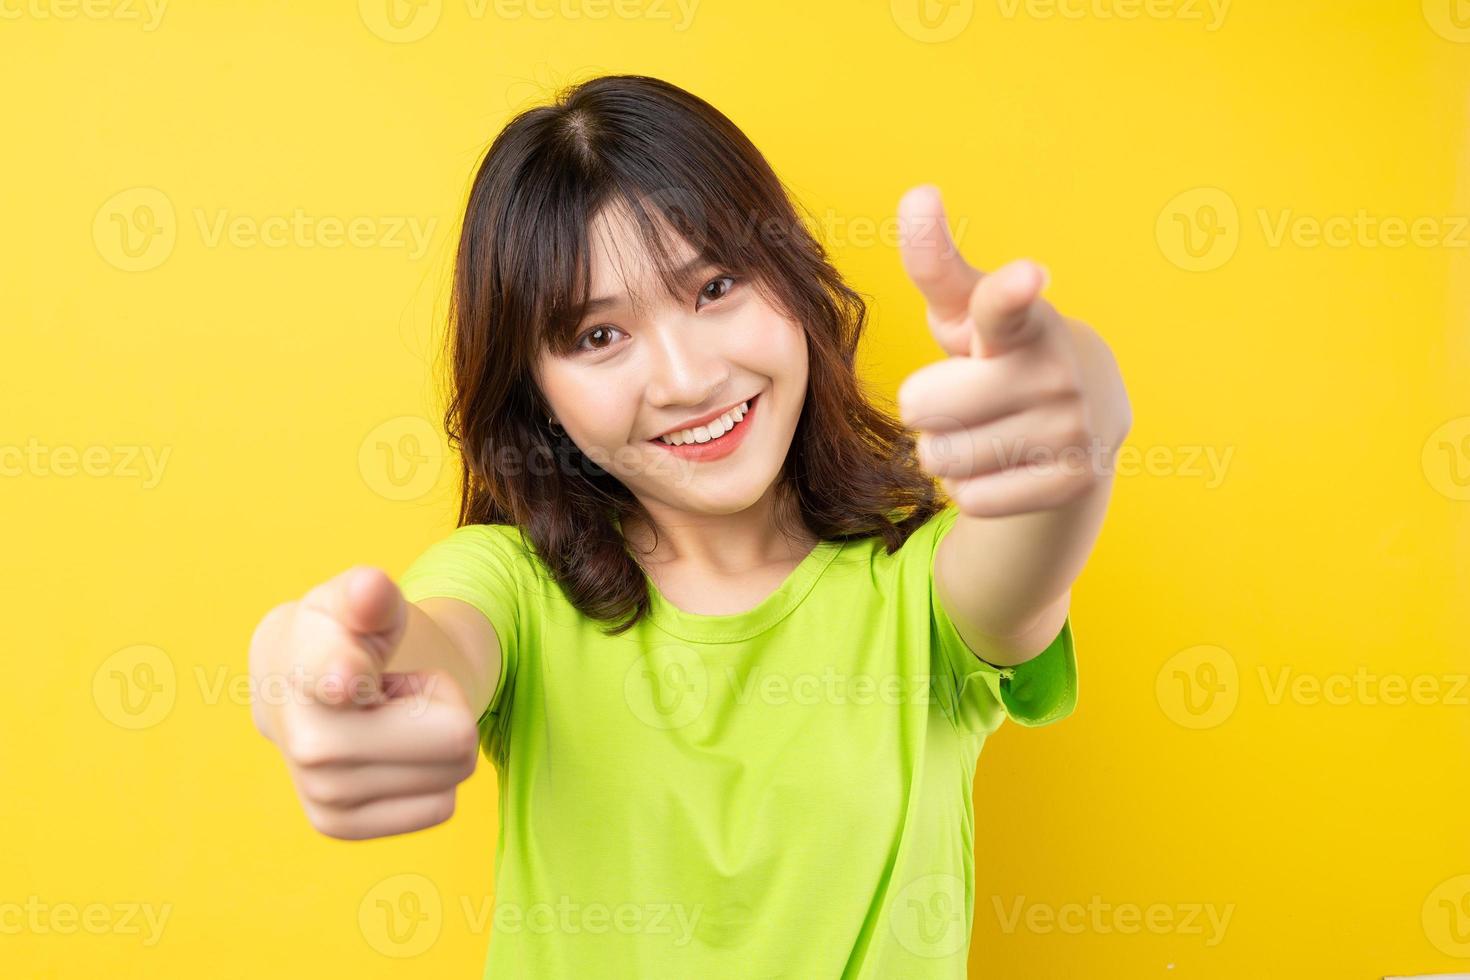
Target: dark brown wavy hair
x=522, y=276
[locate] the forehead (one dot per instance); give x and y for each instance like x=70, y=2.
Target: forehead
x=619, y=261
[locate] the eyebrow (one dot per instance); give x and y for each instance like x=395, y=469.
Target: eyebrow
x=681, y=274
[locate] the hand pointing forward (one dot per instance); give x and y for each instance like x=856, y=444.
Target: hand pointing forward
x=1014, y=420
x=371, y=752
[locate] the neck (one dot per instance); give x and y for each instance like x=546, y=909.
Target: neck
x=719, y=543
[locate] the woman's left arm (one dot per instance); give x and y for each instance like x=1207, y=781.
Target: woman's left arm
x=1020, y=424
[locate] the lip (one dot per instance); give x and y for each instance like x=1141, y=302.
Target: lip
x=704, y=452
x=703, y=419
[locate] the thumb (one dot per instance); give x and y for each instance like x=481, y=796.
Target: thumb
x=357, y=619
x=934, y=263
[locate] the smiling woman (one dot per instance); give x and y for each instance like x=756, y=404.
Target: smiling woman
x=705, y=648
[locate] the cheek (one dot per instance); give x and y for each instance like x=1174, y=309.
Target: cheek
x=593, y=406
x=796, y=346
x=775, y=347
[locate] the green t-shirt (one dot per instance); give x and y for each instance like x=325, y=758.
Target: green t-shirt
x=783, y=792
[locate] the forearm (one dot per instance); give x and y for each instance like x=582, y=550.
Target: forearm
x=998, y=576
x=446, y=643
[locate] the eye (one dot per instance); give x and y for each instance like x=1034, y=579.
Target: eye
x=604, y=329
x=718, y=294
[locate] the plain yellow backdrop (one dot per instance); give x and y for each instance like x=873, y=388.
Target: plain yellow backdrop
x=223, y=271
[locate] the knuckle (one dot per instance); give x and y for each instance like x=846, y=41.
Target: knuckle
x=438, y=809
x=308, y=749
x=1074, y=430
x=328, y=792
x=332, y=823
x=464, y=738
x=468, y=764
x=1060, y=381
x=443, y=807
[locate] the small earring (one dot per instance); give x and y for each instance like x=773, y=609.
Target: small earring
x=555, y=426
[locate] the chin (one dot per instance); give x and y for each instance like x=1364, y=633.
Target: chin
x=718, y=496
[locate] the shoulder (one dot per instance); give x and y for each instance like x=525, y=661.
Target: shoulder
x=474, y=547
x=502, y=537
x=926, y=536
x=914, y=552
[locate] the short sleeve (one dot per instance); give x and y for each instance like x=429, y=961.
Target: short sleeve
x=479, y=564
x=1037, y=692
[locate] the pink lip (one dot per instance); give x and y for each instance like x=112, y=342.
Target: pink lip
x=703, y=452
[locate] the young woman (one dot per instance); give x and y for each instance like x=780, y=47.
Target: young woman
x=732, y=653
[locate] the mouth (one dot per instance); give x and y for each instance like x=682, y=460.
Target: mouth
x=714, y=439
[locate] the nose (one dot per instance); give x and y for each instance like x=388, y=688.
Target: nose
x=687, y=370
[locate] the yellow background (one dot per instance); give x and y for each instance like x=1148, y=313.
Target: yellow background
x=290, y=385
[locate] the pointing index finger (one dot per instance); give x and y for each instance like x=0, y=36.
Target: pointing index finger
x=932, y=259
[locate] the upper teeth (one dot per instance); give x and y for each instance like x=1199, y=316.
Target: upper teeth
x=710, y=430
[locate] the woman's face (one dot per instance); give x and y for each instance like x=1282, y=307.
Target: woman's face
x=646, y=364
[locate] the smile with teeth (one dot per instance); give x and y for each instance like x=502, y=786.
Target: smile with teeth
x=710, y=431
